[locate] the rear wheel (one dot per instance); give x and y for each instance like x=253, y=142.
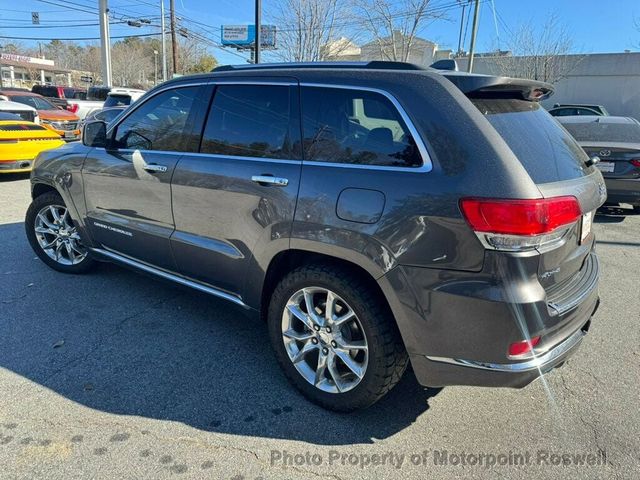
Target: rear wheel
x=53, y=235
x=335, y=340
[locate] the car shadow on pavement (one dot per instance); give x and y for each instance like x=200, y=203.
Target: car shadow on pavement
x=128, y=344
x=612, y=214
x=12, y=177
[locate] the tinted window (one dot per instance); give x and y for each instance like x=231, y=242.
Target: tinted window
x=160, y=123
x=352, y=126
x=107, y=115
x=249, y=121
x=69, y=92
x=45, y=91
x=604, y=131
x=38, y=103
x=564, y=112
x=117, y=101
x=543, y=147
x=97, y=93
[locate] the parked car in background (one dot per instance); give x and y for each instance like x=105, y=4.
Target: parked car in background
x=409, y=214
x=616, y=142
x=122, y=97
x=21, y=142
x=105, y=114
x=61, y=121
x=98, y=92
x=24, y=112
x=82, y=108
x=59, y=95
x=568, y=109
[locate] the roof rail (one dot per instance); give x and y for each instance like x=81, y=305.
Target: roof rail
x=372, y=65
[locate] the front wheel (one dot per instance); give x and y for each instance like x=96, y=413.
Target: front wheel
x=334, y=338
x=53, y=235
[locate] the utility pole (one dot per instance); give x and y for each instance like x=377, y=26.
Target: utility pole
x=155, y=68
x=256, y=57
x=105, y=42
x=474, y=31
x=164, y=42
x=174, y=45
x=464, y=7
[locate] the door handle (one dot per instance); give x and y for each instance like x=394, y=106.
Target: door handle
x=155, y=168
x=270, y=180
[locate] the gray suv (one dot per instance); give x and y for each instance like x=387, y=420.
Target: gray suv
x=373, y=214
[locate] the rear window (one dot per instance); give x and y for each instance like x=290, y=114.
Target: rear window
x=97, y=93
x=604, y=132
x=117, y=101
x=45, y=91
x=545, y=149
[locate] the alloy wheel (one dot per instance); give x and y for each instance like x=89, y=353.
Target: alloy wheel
x=57, y=236
x=324, y=340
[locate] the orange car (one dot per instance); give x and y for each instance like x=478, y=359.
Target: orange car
x=63, y=122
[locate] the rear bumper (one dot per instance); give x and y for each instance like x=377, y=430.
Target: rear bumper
x=457, y=332
x=455, y=371
x=623, y=190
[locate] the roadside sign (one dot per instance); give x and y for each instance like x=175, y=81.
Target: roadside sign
x=86, y=78
x=244, y=35
x=35, y=18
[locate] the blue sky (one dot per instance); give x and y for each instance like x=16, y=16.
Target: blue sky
x=595, y=26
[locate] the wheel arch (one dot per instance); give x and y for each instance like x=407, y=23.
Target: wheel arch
x=290, y=259
x=41, y=188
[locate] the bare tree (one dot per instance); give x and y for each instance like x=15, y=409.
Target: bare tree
x=539, y=53
x=307, y=27
x=395, y=24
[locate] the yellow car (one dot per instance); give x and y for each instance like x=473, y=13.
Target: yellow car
x=21, y=142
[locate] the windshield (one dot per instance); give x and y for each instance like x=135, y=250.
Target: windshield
x=38, y=103
x=543, y=147
x=604, y=132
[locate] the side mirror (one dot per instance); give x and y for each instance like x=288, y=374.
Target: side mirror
x=94, y=134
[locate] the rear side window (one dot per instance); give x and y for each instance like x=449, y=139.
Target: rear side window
x=356, y=127
x=547, y=151
x=160, y=123
x=250, y=121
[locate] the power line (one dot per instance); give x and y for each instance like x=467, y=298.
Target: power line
x=6, y=37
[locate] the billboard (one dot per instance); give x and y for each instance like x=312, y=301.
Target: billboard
x=243, y=36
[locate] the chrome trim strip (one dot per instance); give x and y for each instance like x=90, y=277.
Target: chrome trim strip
x=427, y=165
x=170, y=276
x=533, y=364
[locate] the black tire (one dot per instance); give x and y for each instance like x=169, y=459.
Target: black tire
x=387, y=357
x=38, y=203
x=636, y=209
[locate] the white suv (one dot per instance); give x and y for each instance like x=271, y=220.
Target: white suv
x=119, y=97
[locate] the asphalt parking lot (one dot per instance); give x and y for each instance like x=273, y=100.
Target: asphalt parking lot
x=118, y=375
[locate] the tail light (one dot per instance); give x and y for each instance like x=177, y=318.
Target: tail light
x=520, y=349
x=635, y=162
x=73, y=107
x=515, y=225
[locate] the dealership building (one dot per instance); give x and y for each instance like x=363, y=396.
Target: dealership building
x=22, y=71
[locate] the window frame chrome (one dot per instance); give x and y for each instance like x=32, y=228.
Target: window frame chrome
x=427, y=164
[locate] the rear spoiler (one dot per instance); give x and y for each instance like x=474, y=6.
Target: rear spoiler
x=487, y=86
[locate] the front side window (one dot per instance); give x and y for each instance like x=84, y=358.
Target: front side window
x=356, y=127
x=249, y=121
x=160, y=123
